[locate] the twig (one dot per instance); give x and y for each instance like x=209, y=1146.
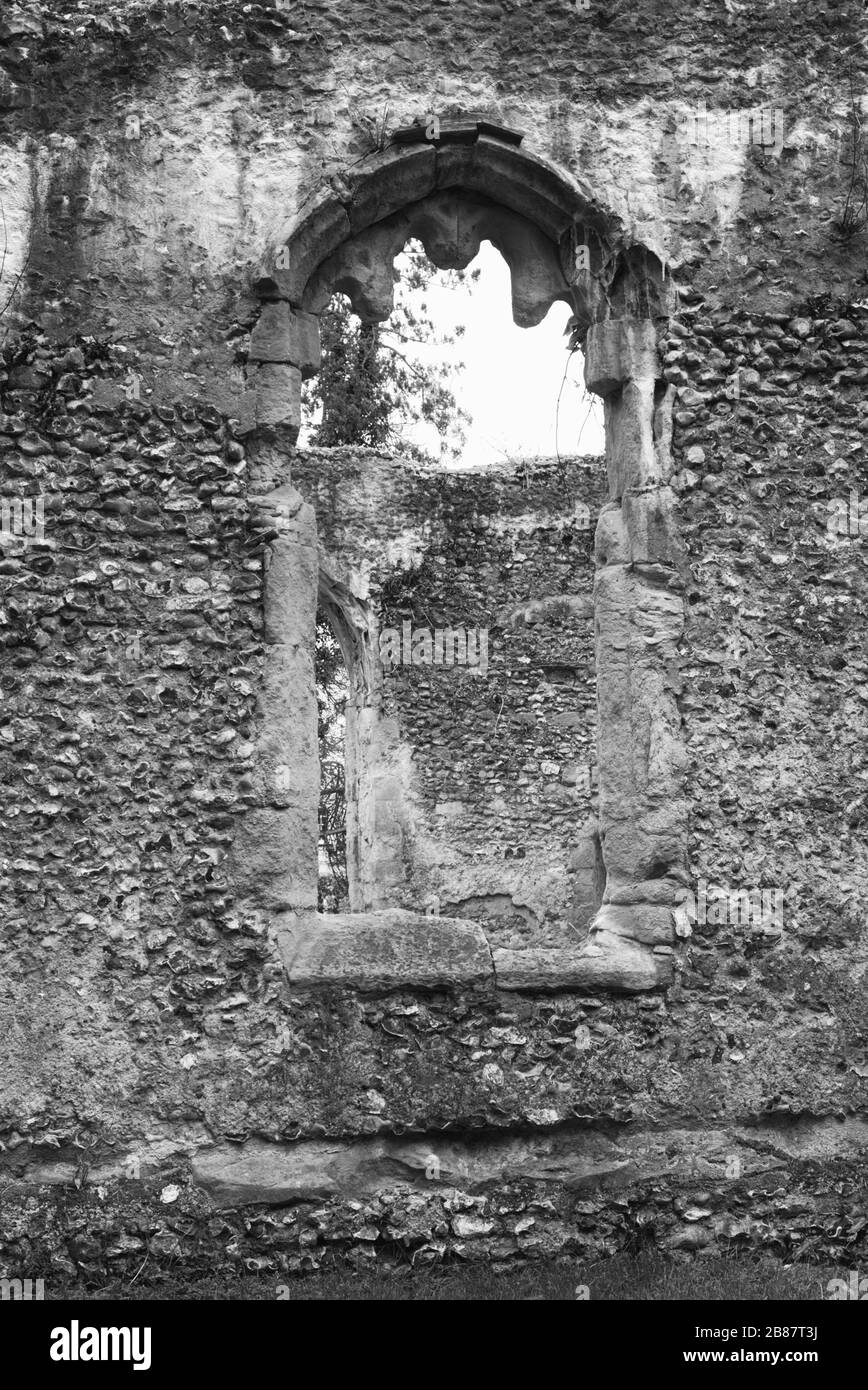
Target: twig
x=24, y=265
x=848, y=223
x=558, y=406
x=499, y=713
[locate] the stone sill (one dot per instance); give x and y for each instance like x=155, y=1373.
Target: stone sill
x=383, y=952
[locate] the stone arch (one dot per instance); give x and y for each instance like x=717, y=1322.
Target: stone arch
x=474, y=184
x=451, y=194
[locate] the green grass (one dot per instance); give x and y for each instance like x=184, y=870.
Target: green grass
x=650, y=1277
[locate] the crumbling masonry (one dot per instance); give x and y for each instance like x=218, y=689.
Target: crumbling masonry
x=523, y=1038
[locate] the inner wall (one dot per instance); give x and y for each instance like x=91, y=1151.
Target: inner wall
x=474, y=785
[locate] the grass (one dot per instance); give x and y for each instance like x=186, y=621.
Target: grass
x=651, y=1277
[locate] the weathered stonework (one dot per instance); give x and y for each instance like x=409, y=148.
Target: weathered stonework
x=518, y=1017
x=638, y=609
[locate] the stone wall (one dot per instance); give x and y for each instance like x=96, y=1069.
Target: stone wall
x=196, y=1067
x=482, y=779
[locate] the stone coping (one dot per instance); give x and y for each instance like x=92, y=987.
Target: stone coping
x=381, y=952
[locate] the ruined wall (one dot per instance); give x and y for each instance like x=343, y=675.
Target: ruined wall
x=152, y=1040
x=480, y=793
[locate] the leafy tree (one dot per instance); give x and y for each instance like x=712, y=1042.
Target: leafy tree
x=374, y=389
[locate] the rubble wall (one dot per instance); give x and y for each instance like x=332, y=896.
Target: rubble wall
x=165, y=1089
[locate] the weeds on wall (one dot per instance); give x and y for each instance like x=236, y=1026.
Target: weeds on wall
x=8, y=284
x=854, y=214
x=375, y=128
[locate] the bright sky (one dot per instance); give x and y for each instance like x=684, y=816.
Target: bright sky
x=512, y=376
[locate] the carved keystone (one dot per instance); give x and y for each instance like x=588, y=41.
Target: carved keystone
x=619, y=350
x=515, y=179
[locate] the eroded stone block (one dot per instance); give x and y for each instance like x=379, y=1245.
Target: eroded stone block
x=607, y=961
x=318, y=229
x=643, y=922
x=388, y=182
x=287, y=335
x=381, y=951
x=278, y=395
x=650, y=522
x=617, y=351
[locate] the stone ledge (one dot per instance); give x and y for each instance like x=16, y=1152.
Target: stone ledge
x=612, y=963
x=382, y=951
x=316, y=1170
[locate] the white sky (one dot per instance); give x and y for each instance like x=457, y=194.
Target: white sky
x=512, y=376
